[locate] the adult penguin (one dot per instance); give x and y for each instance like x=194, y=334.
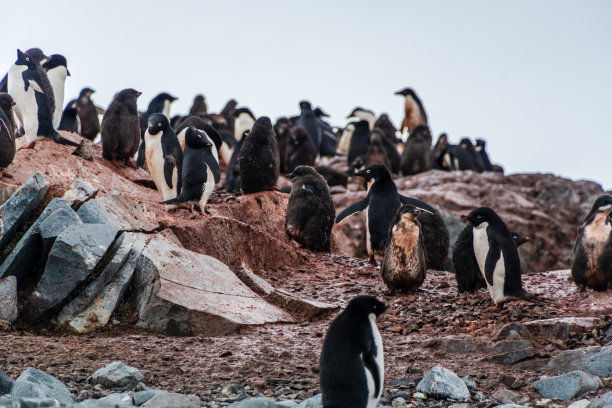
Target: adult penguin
x=57, y=71
x=243, y=121
x=310, y=211
x=416, y=157
x=200, y=124
x=258, y=159
x=414, y=111
x=7, y=128
x=467, y=145
x=160, y=104
x=484, y=156
x=592, y=261
x=359, y=141
x=70, y=118
x=35, y=53
x=352, y=365
x=88, y=114
x=120, y=127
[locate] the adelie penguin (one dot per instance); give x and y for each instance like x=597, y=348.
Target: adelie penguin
x=310, y=211
x=7, y=129
x=88, y=114
x=359, y=141
x=352, y=368
x=57, y=71
x=35, y=53
x=70, y=118
x=243, y=122
x=30, y=88
x=496, y=255
x=381, y=204
x=160, y=104
x=414, y=112
x=120, y=128
x=164, y=156
x=200, y=171
x=592, y=261
x=200, y=124
x=258, y=159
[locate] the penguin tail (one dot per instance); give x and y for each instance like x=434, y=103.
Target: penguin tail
x=57, y=138
x=175, y=200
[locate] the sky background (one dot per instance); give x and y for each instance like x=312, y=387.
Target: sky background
x=533, y=78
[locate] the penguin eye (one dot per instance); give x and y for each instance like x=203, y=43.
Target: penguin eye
x=479, y=216
x=159, y=124
x=368, y=171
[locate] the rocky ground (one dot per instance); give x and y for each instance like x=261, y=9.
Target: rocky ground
x=503, y=351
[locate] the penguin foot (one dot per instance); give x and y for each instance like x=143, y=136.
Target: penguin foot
x=372, y=260
x=28, y=145
x=197, y=210
x=495, y=308
x=131, y=163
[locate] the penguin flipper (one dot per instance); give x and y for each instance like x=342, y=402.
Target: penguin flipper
x=369, y=360
x=169, y=165
x=214, y=167
x=417, y=203
x=140, y=158
x=352, y=209
x=311, y=187
x=492, y=257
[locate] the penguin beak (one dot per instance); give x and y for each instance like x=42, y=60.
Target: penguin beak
x=290, y=175
x=527, y=239
x=464, y=217
x=67, y=72
x=13, y=103
x=138, y=94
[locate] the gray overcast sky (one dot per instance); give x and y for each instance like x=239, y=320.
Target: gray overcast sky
x=534, y=78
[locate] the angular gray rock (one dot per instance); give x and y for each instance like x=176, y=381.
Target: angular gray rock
x=593, y=360
x=115, y=210
x=561, y=328
x=567, y=386
x=19, y=208
x=39, y=403
x=74, y=256
x=455, y=344
x=583, y=403
x=510, y=406
x=6, y=383
x=603, y=401
x=256, y=403
x=141, y=397
x=117, y=375
x=55, y=224
x=440, y=382
x=8, y=299
x=312, y=402
x=24, y=257
x=171, y=399
x=79, y=192
x=471, y=384
x=118, y=400
x=6, y=191
x=511, y=351
x=505, y=396
x=33, y=383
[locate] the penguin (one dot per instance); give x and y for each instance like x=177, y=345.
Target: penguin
x=160, y=104
x=29, y=86
x=387, y=127
x=283, y=139
x=391, y=152
x=351, y=366
x=484, y=156
x=310, y=211
x=416, y=157
x=57, y=71
x=243, y=122
x=320, y=113
x=592, y=260
x=345, y=139
x=377, y=153
x=519, y=239
x=467, y=145
x=164, y=156
x=381, y=203
x=200, y=124
x=333, y=177
x=414, y=112
x=70, y=118
x=359, y=141
x=258, y=159
x=200, y=171
x=227, y=112
x=199, y=107
x=496, y=255
x=232, y=182
x=7, y=129
x=35, y=53
x=436, y=239
x=308, y=121
x=120, y=128
x=88, y=114
x=300, y=149
x=363, y=114
x=328, y=136
x=403, y=266
x=447, y=156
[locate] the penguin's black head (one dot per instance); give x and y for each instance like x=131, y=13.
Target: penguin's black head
x=263, y=124
x=405, y=92
x=481, y=143
x=199, y=98
x=127, y=94
x=165, y=96
x=37, y=54
x=361, y=126
x=603, y=203
x=359, y=111
x=481, y=217
x=86, y=92
x=466, y=143
x=241, y=110
x=305, y=106
x=300, y=171
x=376, y=172
x=157, y=122
x=366, y=305
x=25, y=59
x=320, y=113
x=54, y=61
x=519, y=239
x=196, y=139
x=6, y=101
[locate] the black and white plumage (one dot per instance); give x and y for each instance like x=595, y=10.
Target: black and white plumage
x=70, y=118
x=7, y=130
x=243, y=121
x=164, y=156
x=352, y=368
x=310, y=211
x=592, y=261
x=467, y=145
x=496, y=255
x=414, y=111
x=88, y=115
x=200, y=171
x=30, y=88
x=57, y=71
x=35, y=53
x=159, y=104
x=200, y=124
x=480, y=147
x=258, y=159
x=120, y=127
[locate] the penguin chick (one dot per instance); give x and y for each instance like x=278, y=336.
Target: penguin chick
x=88, y=114
x=200, y=171
x=416, y=157
x=164, y=156
x=333, y=177
x=592, y=261
x=258, y=160
x=120, y=129
x=403, y=266
x=352, y=366
x=7, y=128
x=310, y=211
x=300, y=149
x=199, y=107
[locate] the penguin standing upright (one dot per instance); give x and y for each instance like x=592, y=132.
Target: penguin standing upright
x=35, y=53
x=592, y=261
x=164, y=156
x=258, y=159
x=29, y=86
x=160, y=104
x=496, y=255
x=70, y=118
x=200, y=124
x=359, y=141
x=120, y=128
x=243, y=122
x=7, y=129
x=57, y=71
x=414, y=112
x=310, y=211
x=283, y=139
x=416, y=157
x=88, y=114
x=484, y=156
x=300, y=149
x=200, y=171
x=467, y=145
x=308, y=121
x=352, y=369
x=199, y=107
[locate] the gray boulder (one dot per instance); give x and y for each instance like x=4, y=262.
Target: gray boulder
x=561, y=328
x=312, y=402
x=593, y=360
x=603, y=401
x=33, y=383
x=583, y=403
x=511, y=351
x=6, y=383
x=27, y=253
x=256, y=403
x=115, y=210
x=440, y=382
x=39, y=403
x=55, y=224
x=141, y=397
x=8, y=299
x=173, y=400
x=567, y=386
x=19, y=208
x=117, y=375
x=118, y=400
x=510, y=406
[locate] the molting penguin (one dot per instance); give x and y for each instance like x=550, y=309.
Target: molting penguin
x=258, y=159
x=381, y=203
x=88, y=114
x=7, y=129
x=243, y=122
x=496, y=255
x=199, y=107
x=310, y=211
x=200, y=171
x=70, y=118
x=403, y=266
x=592, y=261
x=416, y=157
x=352, y=363
x=120, y=128
x=414, y=112
x=388, y=128
x=57, y=71
x=29, y=86
x=300, y=149
x=35, y=53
